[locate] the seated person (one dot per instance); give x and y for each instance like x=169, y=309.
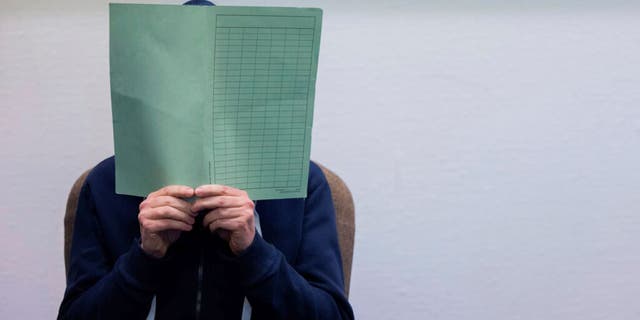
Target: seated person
x=203, y=253
x=200, y=260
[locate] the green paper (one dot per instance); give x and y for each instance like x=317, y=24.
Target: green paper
x=213, y=95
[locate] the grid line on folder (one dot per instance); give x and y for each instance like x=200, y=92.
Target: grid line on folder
x=261, y=90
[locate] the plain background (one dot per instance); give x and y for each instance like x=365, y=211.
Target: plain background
x=492, y=148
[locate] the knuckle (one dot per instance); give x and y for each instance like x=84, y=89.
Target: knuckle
x=150, y=213
x=165, y=211
x=162, y=210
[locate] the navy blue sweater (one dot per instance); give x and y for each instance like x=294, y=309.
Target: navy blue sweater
x=292, y=271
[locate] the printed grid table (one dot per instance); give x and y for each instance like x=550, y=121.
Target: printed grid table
x=261, y=88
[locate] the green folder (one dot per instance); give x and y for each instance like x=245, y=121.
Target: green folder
x=213, y=95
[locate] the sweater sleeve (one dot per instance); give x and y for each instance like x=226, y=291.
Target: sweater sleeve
x=98, y=289
x=311, y=287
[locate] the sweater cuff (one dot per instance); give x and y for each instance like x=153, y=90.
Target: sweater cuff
x=141, y=270
x=256, y=262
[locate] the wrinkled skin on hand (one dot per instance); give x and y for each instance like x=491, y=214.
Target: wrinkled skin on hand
x=164, y=214
x=229, y=212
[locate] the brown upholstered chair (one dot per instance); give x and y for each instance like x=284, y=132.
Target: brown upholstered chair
x=342, y=200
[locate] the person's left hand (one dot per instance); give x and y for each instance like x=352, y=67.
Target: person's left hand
x=230, y=214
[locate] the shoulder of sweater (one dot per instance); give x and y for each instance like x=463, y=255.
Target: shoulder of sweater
x=316, y=176
x=103, y=174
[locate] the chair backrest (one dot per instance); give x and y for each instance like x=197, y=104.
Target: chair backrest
x=342, y=200
x=345, y=221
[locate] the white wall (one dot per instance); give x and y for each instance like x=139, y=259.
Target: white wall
x=492, y=149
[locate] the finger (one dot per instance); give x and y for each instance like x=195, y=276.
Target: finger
x=165, y=225
x=222, y=213
x=166, y=201
x=210, y=203
x=174, y=191
x=231, y=225
x=210, y=190
x=163, y=213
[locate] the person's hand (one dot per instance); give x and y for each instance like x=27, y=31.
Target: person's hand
x=230, y=214
x=163, y=216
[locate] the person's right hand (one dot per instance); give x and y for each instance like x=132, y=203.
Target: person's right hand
x=163, y=216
